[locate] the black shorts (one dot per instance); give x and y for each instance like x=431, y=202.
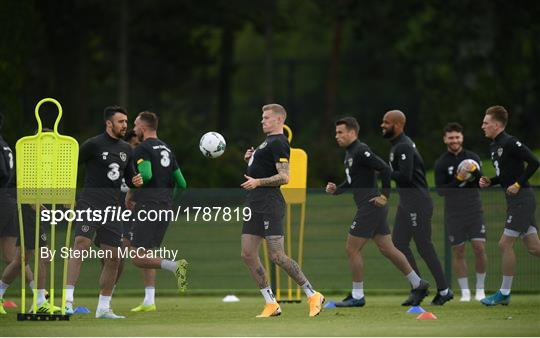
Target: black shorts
x=109, y=233
x=520, y=214
x=29, y=223
x=126, y=233
x=369, y=221
x=127, y=229
x=464, y=228
x=264, y=224
x=9, y=224
x=148, y=234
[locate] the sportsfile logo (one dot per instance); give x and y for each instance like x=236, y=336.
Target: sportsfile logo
x=118, y=214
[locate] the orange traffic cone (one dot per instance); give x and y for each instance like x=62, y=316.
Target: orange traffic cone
x=426, y=316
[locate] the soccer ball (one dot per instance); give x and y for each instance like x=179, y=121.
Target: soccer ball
x=212, y=144
x=468, y=162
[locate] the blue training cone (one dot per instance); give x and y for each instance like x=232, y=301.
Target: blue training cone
x=416, y=309
x=330, y=305
x=81, y=309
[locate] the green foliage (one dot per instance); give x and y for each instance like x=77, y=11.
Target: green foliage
x=436, y=61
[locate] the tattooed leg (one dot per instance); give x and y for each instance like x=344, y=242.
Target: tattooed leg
x=278, y=256
x=250, y=256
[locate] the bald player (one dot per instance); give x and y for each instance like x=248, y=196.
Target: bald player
x=415, y=209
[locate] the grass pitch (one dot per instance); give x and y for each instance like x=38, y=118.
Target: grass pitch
x=209, y=316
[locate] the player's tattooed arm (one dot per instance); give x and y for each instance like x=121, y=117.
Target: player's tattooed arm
x=282, y=177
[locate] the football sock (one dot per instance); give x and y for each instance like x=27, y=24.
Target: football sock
x=506, y=285
x=3, y=288
x=358, y=290
x=463, y=283
x=268, y=295
x=480, y=280
x=104, y=302
x=41, y=297
x=149, y=295
x=168, y=265
x=308, y=289
x=69, y=293
x=414, y=279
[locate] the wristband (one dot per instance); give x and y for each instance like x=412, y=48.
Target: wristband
x=517, y=185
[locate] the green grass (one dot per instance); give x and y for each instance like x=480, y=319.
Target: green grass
x=213, y=250
x=208, y=316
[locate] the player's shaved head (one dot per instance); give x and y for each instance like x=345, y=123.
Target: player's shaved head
x=396, y=116
x=393, y=123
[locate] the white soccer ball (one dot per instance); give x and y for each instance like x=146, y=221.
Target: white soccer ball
x=212, y=144
x=472, y=164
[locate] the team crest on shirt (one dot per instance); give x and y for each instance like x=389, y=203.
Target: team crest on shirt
x=451, y=170
x=123, y=156
x=264, y=144
x=105, y=154
x=500, y=152
x=85, y=228
x=44, y=237
x=391, y=157
x=350, y=161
